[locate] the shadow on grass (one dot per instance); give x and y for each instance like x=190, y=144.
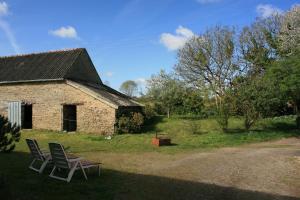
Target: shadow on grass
x=18, y=182
x=283, y=127
x=150, y=125
x=188, y=117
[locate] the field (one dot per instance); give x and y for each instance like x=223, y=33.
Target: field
x=125, y=158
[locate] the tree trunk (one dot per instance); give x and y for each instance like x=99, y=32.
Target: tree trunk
x=168, y=112
x=216, y=101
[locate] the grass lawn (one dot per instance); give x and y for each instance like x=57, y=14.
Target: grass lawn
x=18, y=182
x=178, y=129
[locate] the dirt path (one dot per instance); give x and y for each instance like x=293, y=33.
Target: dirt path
x=271, y=167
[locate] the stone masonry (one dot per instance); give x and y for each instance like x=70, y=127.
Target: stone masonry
x=48, y=98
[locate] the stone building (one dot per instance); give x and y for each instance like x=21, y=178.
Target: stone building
x=59, y=90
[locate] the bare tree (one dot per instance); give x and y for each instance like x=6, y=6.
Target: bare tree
x=209, y=61
x=129, y=88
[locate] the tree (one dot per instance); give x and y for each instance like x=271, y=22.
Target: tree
x=286, y=74
x=209, y=62
x=129, y=88
x=192, y=101
x=166, y=89
x=259, y=44
x=255, y=97
x=286, y=71
x=9, y=135
x=290, y=32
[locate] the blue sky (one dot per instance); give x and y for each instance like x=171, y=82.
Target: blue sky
x=126, y=39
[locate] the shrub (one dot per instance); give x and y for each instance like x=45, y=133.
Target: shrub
x=123, y=124
x=131, y=123
x=223, y=117
x=9, y=135
x=136, y=122
x=149, y=112
x=251, y=116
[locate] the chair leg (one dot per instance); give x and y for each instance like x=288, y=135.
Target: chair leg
x=31, y=164
x=32, y=167
x=53, y=170
x=70, y=175
x=99, y=171
x=83, y=171
x=44, y=165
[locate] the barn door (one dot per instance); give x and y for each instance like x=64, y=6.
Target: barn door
x=69, y=118
x=14, y=113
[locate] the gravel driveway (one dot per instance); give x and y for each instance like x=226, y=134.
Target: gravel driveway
x=269, y=170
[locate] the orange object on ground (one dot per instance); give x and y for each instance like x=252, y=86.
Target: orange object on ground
x=161, y=141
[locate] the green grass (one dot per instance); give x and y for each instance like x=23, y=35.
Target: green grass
x=179, y=130
x=17, y=182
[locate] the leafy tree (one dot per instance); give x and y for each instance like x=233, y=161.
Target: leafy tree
x=167, y=90
x=259, y=44
x=174, y=95
x=286, y=74
x=224, y=112
x=129, y=87
x=9, y=135
x=192, y=101
x=255, y=97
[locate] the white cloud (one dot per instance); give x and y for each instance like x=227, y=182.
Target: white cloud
x=208, y=1
x=3, y=8
x=109, y=74
x=10, y=35
x=267, y=10
x=65, y=32
x=176, y=41
x=5, y=27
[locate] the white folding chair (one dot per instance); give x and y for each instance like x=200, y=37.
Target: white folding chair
x=62, y=161
x=37, y=155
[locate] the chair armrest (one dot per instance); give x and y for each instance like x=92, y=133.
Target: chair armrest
x=75, y=159
x=72, y=156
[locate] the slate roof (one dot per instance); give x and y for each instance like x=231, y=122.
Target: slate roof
x=73, y=66
x=106, y=94
x=53, y=65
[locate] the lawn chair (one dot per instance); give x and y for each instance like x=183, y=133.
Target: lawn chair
x=62, y=161
x=37, y=155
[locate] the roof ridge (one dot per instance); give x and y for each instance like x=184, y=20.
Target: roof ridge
x=43, y=52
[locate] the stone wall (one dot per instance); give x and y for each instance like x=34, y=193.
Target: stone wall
x=47, y=99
